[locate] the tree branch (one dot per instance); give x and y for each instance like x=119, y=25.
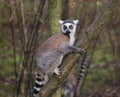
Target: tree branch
x=55, y=82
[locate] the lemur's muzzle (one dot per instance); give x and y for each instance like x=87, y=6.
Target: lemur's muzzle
x=67, y=32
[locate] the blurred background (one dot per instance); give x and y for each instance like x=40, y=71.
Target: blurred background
x=26, y=23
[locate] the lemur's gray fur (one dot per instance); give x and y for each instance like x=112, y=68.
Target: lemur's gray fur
x=50, y=54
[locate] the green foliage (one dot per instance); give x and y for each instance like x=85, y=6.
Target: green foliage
x=100, y=56
x=98, y=78
x=7, y=67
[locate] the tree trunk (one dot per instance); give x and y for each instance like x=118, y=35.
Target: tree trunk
x=65, y=9
x=54, y=14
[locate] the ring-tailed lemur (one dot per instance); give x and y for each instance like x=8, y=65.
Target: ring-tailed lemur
x=50, y=54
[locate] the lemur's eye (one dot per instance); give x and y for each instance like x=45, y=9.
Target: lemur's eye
x=71, y=27
x=64, y=27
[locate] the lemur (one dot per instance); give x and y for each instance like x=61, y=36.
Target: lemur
x=52, y=51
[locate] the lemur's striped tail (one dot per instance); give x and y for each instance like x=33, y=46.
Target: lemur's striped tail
x=39, y=82
x=81, y=73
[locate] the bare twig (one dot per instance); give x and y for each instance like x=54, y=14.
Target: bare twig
x=20, y=20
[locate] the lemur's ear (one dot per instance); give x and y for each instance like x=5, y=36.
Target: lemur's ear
x=76, y=21
x=60, y=21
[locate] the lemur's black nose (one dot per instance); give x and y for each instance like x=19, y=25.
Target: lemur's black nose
x=68, y=32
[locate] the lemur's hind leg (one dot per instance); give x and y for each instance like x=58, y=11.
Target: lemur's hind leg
x=57, y=70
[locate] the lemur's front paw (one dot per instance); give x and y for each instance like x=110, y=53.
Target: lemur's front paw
x=57, y=71
x=81, y=51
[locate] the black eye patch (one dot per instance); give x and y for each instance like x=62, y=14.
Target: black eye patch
x=64, y=27
x=71, y=27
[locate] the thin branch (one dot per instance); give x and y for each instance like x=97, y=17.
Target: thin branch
x=31, y=14
x=13, y=43
x=20, y=20
x=36, y=22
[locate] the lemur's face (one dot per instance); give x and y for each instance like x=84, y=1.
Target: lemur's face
x=68, y=27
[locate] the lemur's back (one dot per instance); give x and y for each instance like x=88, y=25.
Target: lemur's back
x=48, y=57
x=53, y=43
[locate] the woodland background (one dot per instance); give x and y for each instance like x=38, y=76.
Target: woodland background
x=26, y=23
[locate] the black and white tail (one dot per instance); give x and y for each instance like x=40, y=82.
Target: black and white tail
x=81, y=73
x=39, y=82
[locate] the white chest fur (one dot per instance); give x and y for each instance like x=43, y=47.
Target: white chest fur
x=72, y=40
